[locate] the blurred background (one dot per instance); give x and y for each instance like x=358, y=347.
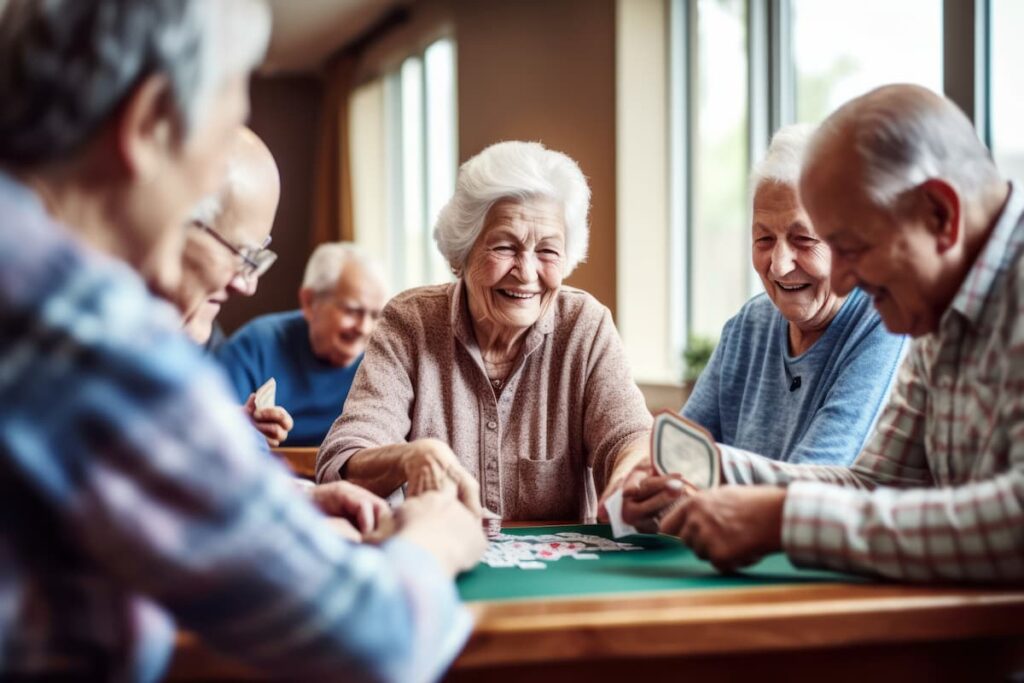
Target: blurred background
x=370, y=105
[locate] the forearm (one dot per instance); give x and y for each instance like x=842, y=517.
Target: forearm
x=627, y=458
x=379, y=470
x=964, y=533
x=743, y=467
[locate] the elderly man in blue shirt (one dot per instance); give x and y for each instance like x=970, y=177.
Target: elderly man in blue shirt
x=131, y=496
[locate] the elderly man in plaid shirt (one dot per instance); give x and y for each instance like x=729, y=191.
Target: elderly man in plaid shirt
x=132, y=496
x=918, y=216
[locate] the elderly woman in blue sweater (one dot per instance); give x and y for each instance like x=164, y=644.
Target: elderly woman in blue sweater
x=800, y=373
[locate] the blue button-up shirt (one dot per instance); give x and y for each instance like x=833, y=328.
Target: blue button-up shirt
x=133, y=501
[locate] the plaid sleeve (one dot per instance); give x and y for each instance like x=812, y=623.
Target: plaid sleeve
x=159, y=483
x=966, y=533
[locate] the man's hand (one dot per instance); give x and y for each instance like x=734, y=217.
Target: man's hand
x=730, y=526
x=273, y=423
x=438, y=522
x=430, y=465
x=647, y=496
x=364, y=511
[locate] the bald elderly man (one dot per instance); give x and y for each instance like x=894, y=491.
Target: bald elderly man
x=917, y=216
x=226, y=253
x=313, y=353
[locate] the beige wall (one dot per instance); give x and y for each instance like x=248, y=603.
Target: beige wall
x=545, y=70
x=285, y=113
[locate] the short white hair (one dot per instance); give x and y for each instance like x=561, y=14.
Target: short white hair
x=905, y=134
x=784, y=158
x=68, y=64
x=517, y=171
x=328, y=260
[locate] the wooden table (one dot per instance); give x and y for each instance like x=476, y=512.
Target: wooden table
x=863, y=632
x=300, y=460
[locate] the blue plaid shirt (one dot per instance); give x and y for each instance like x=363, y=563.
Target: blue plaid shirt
x=131, y=500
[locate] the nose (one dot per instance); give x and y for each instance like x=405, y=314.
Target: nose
x=526, y=265
x=783, y=259
x=366, y=324
x=242, y=285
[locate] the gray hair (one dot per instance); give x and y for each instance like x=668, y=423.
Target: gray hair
x=66, y=65
x=513, y=170
x=784, y=158
x=327, y=262
x=905, y=134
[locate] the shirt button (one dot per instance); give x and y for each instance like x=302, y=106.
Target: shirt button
x=492, y=425
x=496, y=383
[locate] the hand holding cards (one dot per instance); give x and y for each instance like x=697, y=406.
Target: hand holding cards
x=266, y=395
x=681, y=447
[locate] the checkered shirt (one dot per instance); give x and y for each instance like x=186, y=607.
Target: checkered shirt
x=133, y=500
x=938, y=492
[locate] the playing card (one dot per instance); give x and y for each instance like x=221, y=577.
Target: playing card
x=266, y=395
x=679, y=446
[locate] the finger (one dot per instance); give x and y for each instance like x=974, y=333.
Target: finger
x=250, y=404
x=469, y=493
x=275, y=415
x=364, y=517
x=674, y=518
x=654, y=504
x=653, y=486
x=344, y=529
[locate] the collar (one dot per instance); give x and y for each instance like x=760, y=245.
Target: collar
x=1000, y=250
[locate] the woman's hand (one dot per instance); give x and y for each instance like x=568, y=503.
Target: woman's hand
x=273, y=423
x=647, y=496
x=438, y=522
x=430, y=465
x=355, y=507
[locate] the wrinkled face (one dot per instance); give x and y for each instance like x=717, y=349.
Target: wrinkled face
x=515, y=268
x=341, y=321
x=893, y=258
x=160, y=204
x=792, y=261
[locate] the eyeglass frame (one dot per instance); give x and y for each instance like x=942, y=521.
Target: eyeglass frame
x=256, y=260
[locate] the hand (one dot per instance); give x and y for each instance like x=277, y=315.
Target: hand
x=438, y=522
x=730, y=526
x=634, y=456
x=353, y=504
x=647, y=497
x=430, y=465
x=273, y=423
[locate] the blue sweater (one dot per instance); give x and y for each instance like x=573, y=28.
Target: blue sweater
x=277, y=345
x=818, y=407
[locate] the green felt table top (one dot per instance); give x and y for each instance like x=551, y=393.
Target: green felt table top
x=664, y=564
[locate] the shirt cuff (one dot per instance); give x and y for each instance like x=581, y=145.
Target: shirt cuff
x=819, y=526
x=442, y=623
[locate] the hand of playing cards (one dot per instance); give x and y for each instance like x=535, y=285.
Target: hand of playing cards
x=272, y=421
x=684, y=460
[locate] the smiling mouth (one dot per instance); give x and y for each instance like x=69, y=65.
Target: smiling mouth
x=791, y=288
x=518, y=295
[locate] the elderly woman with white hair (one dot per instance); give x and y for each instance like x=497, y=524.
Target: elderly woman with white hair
x=505, y=384
x=800, y=373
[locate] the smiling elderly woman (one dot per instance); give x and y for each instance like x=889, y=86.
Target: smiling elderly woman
x=504, y=378
x=800, y=373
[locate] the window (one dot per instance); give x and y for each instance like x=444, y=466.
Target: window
x=738, y=70
x=842, y=50
x=1007, y=104
x=403, y=157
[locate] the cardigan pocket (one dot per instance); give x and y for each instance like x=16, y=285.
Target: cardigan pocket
x=548, y=490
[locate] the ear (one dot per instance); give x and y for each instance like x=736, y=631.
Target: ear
x=942, y=212
x=306, y=297
x=144, y=130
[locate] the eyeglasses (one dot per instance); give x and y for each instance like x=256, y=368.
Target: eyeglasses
x=255, y=260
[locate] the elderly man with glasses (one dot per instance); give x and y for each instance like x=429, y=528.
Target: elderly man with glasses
x=226, y=253
x=313, y=352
